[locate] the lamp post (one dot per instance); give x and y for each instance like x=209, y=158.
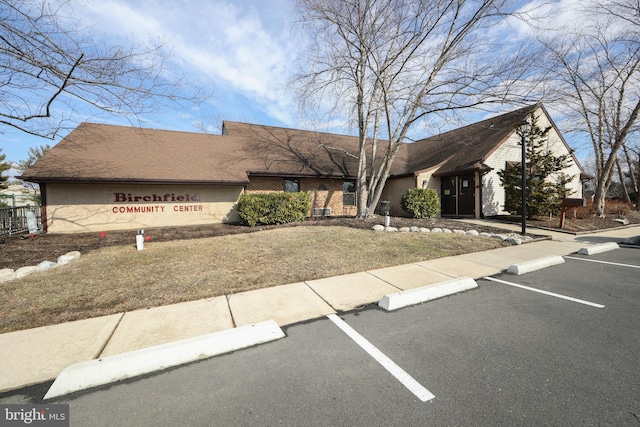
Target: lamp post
x=524, y=127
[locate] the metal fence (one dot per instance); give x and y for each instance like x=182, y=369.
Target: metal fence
x=14, y=220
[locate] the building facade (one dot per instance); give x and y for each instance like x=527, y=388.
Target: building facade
x=103, y=177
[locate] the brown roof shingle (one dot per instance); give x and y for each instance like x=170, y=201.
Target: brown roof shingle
x=467, y=147
x=107, y=153
x=97, y=152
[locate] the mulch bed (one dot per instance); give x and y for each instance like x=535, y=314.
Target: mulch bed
x=19, y=251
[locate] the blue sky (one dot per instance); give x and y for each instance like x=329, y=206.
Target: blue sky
x=245, y=49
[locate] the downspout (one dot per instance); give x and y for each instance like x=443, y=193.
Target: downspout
x=43, y=207
x=480, y=213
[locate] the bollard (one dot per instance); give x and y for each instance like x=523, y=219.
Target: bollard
x=140, y=240
x=387, y=220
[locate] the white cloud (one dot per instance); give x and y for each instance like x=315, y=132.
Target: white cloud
x=237, y=46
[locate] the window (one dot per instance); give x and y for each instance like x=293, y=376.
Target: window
x=348, y=193
x=291, y=185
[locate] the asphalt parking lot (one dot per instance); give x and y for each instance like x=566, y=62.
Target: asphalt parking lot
x=498, y=355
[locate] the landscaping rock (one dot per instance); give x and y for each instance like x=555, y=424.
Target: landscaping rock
x=378, y=227
x=424, y=230
x=513, y=240
x=472, y=233
x=414, y=229
x=459, y=232
x=446, y=230
x=47, y=265
x=68, y=257
x=483, y=234
x=7, y=274
x=436, y=230
x=498, y=236
x=73, y=254
x=391, y=229
x=404, y=229
x=623, y=221
x=25, y=271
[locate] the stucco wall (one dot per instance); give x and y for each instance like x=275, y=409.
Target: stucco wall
x=425, y=179
x=74, y=208
x=493, y=195
x=393, y=191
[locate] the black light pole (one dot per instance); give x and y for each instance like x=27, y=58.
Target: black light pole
x=524, y=129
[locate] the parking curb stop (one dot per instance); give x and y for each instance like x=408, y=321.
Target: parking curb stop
x=533, y=265
x=93, y=373
x=426, y=293
x=596, y=249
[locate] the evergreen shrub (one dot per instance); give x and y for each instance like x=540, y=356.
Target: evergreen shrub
x=420, y=202
x=273, y=208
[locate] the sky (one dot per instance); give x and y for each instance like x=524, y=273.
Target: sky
x=245, y=49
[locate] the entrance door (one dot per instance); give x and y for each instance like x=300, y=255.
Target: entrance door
x=466, y=195
x=458, y=195
x=449, y=195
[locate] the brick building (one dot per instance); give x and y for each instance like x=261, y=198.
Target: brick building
x=103, y=177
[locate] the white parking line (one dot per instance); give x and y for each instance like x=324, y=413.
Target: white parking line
x=400, y=374
x=592, y=304
x=604, y=262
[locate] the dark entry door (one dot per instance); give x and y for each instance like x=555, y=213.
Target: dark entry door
x=458, y=195
x=449, y=195
x=466, y=195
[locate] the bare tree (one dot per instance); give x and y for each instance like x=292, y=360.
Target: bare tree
x=35, y=153
x=390, y=65
x=50, y=69
x=597, y=71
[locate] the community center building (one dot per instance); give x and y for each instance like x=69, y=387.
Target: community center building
x=104, y=177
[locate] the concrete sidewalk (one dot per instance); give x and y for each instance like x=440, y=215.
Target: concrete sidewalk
x=38, y=355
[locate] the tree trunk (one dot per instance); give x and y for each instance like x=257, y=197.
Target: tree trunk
x=601, y=189
x=623, y=182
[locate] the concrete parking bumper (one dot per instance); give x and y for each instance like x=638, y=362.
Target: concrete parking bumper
x=597, y=249
x=426, y=293
x=109, y=369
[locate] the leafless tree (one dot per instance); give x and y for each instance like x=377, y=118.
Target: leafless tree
x=597, y=71
x=388, y=65
x=52, y=70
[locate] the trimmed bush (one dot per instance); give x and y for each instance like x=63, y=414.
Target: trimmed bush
x=273, y=208
x=420, y=202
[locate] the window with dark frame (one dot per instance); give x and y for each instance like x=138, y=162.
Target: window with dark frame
x=348, y=193
x=291, y=185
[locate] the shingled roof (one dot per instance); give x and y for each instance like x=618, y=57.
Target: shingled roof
x=466, y=148
x=97, y=152
x=108, y=153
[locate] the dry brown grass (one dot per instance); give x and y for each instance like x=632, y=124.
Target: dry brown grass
x=119, y=278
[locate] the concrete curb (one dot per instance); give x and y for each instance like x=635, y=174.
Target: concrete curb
x=84, y=375
x=533, y=265
x=635, y=240
x=426, y=293
x=596, y=249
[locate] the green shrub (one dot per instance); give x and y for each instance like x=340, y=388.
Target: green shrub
x=420, y=202
x=273, y=208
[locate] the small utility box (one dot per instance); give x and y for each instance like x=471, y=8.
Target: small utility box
x=384, y=207
x=140, y=239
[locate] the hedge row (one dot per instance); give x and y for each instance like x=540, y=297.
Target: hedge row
x=273, y=208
